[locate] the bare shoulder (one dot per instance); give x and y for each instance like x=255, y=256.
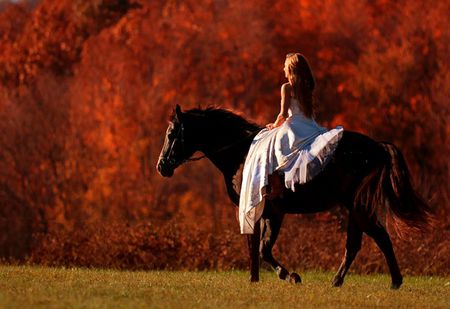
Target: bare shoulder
x=286, y=89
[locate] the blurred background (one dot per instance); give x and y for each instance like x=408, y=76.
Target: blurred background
x=87, y=86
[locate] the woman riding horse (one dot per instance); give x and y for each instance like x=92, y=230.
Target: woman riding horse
x=367, y=177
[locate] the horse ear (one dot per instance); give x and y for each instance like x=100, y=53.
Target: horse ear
x=178, y=112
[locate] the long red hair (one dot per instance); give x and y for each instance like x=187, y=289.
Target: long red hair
x=302, y=81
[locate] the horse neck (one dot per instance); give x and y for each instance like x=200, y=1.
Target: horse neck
x=226, y=147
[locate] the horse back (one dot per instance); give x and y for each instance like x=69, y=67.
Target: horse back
x=356, y=156
x=359, y=153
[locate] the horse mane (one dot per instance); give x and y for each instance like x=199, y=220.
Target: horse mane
x=235, y=120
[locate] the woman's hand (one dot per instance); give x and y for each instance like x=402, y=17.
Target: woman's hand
x=280, y=119
x=285, y=104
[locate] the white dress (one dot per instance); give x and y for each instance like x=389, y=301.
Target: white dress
x=299, y=148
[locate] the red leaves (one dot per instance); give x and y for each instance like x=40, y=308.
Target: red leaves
x=86, y=88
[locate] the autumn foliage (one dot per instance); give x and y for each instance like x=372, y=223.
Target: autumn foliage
x=86, y=88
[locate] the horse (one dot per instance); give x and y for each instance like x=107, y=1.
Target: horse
x=368, y=178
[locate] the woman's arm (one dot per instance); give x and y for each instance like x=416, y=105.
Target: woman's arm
x=285, y=104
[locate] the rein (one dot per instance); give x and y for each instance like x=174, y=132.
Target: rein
x=220, y=149
x=181, y=134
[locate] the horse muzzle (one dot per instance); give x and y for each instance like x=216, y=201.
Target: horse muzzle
x=164, y=169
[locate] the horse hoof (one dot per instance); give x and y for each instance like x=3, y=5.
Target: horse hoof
x=254, y=279
x=282, y=273
x=337, y=282
x=295, y=278
x=395, y=285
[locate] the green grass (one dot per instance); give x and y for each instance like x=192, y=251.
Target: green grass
x=55, y=287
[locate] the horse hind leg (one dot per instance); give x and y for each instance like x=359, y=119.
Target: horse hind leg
x=375, y=230
x=360, y=221
x=353, y=245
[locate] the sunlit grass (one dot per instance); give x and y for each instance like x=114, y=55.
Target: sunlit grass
x=38, y=286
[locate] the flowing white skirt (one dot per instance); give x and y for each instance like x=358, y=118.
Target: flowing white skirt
x=299, y=148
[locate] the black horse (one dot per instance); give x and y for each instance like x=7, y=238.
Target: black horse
x=365, y=176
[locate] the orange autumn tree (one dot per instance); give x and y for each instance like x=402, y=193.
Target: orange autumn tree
x=86, y=89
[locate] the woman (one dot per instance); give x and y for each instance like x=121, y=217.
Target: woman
x=294, y=145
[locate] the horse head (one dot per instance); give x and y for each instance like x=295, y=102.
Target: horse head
x=178, y=144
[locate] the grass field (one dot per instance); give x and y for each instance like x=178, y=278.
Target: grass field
x=54, y=287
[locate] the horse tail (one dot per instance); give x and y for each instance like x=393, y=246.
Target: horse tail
x=389, y=186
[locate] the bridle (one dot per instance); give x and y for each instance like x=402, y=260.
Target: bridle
x=180, y=135
x=172, y=161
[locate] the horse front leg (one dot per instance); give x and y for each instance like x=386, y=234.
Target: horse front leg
x=270, y=232
x=271, y=229
x=253, y=241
